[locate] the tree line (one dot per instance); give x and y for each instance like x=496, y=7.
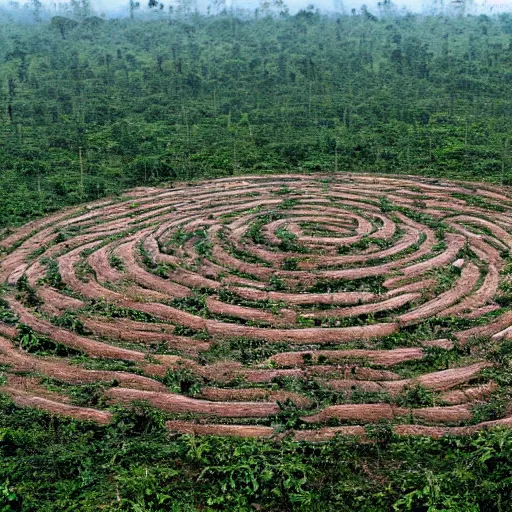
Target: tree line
x=90, y=107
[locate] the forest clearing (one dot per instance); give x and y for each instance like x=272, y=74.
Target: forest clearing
x=294, y=305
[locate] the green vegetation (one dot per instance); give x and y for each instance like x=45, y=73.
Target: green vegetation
x=230, y=297
x=82, y=395
x=364, y=284
x=364, y=243
x=53, y=277
x=244, y=350
x=182, y=381
x=42, y=345
x=195, y=304
x=6, y=314
x=110, y=310
x=254, y=232
x=26, y=292
x=69, y=320
x=93, y=114
x=288, y=241
x=52, y=464
x=91, y=107
x=474, y=200
x=116, y=262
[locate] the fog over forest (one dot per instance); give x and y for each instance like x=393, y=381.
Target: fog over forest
x=120, y=8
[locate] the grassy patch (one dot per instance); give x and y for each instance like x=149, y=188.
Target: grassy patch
x=6, y=314
x=36, y=343
x=107, y=309
x=244, y=350
x=372, y=284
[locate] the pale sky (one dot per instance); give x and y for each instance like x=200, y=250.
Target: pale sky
x=328, y=5
x=120, y=7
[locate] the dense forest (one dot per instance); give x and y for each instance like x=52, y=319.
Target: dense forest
x=89, y=107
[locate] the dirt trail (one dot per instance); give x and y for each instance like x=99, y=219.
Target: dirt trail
x=370, y=413
x=72, y=340
x=58, y=408
x=127, y=330
x=379, y=357
x=63, y=370
x=385, y=305
x=181, y=404
x=184, y=427
x=463, y=287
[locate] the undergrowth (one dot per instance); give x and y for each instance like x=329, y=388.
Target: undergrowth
x=134, y=464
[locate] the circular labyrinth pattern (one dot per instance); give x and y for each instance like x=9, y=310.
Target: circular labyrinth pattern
x=309, y=305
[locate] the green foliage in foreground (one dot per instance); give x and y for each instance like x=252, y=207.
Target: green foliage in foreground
x=135, y=465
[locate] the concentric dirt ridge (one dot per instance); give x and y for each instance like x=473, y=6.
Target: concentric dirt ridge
x=233, y=305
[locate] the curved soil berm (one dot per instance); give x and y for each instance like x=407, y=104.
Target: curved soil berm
x=243, y=300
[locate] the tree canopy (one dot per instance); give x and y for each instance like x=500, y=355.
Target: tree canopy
x=91, y=106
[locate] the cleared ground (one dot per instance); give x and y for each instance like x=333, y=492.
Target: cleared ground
x=257, y=306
